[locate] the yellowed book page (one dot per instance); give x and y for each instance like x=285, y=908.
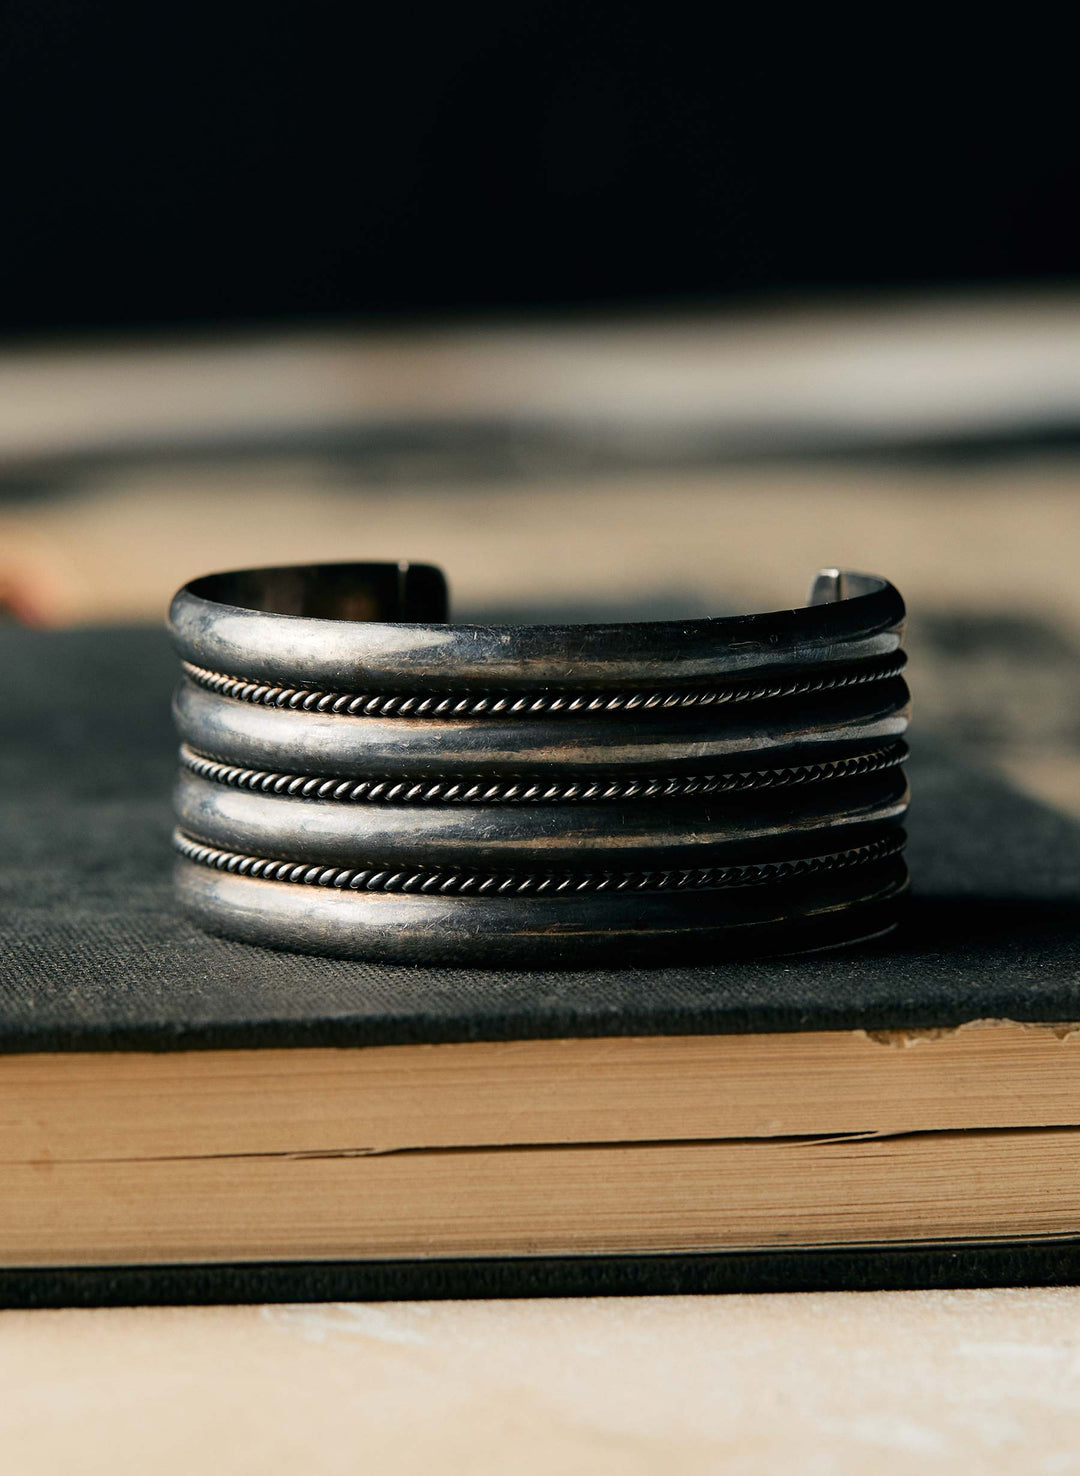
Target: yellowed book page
x=489, y=1202
x=138, y=1105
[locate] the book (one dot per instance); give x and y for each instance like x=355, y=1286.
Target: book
x=184, y=1118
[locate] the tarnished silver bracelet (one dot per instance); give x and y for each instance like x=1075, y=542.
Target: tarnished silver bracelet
x=360, y=777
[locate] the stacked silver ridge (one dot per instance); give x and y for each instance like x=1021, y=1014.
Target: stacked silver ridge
x=359, y=777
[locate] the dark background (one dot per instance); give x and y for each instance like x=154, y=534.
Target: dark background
x=168, y=164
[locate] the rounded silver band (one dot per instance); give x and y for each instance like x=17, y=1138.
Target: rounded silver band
x=382, y=627
x=605, y=928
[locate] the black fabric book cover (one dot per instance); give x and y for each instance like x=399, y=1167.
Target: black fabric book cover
x=93, y=956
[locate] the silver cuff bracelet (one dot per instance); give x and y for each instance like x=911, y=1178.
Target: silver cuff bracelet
x=359, y=777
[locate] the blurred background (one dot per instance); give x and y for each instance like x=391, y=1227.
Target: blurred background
x=608, y=312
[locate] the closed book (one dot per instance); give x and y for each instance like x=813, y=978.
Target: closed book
x=184, y=1118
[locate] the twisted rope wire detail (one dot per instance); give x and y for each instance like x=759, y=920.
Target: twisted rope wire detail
x=522, y=789
x=465, y=883
x=505, y=704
